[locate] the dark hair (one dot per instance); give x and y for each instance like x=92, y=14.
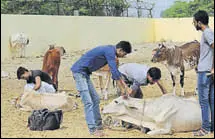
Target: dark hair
x=202, y=16
x=155, y=73
x=125, y=46
x=20, y=71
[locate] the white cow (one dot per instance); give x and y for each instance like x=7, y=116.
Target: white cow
x=163, y=115
x=31, y=100
x=17, y=43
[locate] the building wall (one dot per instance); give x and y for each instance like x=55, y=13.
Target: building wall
x=76, y=33
x=177, y=29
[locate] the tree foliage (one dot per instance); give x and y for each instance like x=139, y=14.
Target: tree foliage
x=64, y=7
x=188, y=9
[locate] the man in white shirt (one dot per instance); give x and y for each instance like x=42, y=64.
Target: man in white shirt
x=136, y=75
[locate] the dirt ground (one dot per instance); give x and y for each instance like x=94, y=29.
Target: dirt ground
x=14, y=121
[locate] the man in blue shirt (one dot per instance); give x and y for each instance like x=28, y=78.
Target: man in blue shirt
x=83, y=68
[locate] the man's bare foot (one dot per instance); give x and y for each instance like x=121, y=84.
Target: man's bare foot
x=98, y=133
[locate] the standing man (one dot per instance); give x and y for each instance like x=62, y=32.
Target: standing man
x=205, y=72
x=83, y=68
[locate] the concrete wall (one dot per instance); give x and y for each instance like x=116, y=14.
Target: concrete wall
x=87, y=32
x=74, y=32
x=177, y=29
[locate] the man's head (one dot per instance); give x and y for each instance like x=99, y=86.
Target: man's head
x=200, y=19
x=123, y=48
x=23, y=73
x=153, y=75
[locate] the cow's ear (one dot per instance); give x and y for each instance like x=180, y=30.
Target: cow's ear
x=161, y=45
x=131, y=107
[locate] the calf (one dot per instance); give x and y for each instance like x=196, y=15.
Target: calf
x=104, y=72
x=31, y=100
x=18, y=42
x=181, y=58
x=51, y=62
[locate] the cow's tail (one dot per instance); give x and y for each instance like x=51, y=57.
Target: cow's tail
x=45, y=62
x=10, y=43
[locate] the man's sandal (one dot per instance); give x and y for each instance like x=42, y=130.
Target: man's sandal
x=201, y=132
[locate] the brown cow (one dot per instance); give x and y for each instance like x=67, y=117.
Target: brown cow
x=104, y=72
x=184, y=58
x=51, y=62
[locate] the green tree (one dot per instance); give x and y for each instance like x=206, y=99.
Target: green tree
x=187, y=9
x=63, y=7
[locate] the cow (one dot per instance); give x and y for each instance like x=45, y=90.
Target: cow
x=179, y=58
x=51, y=62
x=163, y=115
x=31, y=100
x=18, y=42
x=104, y=72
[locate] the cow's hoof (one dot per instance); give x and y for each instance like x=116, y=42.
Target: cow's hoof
x=105, y=98
x=107, y=121
x=144, y=130
x=105, y=93
x=196, y=93
x=182, y=95
x=18, y=106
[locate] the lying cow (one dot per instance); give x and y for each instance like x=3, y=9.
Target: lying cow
x=104, y=72
x=183, y=58
x=31, y=100
x=163, y=115
x=18, y=42
x=51, y=62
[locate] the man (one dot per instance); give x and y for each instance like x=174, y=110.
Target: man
x=136, y=75
x=83, y=68
x=205, y=72
x=36, y=80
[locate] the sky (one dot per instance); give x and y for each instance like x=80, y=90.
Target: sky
x=160, y=5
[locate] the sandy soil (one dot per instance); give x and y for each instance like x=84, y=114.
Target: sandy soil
x=14, y=121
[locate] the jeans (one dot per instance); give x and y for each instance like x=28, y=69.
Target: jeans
x=206, y=100
x=90, y=99
x=44, y=88
x=130, y=84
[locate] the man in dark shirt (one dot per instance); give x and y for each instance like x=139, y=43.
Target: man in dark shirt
x=36, y=80
x=83, y=68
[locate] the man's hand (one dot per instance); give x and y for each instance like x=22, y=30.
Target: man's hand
x=129, y=91
x=125, y=96
x=161, y=86
x=38, y=83
x=212, y=71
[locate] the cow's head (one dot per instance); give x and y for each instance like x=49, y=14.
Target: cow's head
x=62, y=51
x=59, y=48
x=159, y=54
x=116, y=107
x=51, y=46
x=121, y=106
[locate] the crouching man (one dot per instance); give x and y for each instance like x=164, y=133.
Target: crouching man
x=36, y=80
x=136, y=75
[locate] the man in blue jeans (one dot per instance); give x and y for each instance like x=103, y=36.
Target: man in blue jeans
x=83, y=68
x=205, y=73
